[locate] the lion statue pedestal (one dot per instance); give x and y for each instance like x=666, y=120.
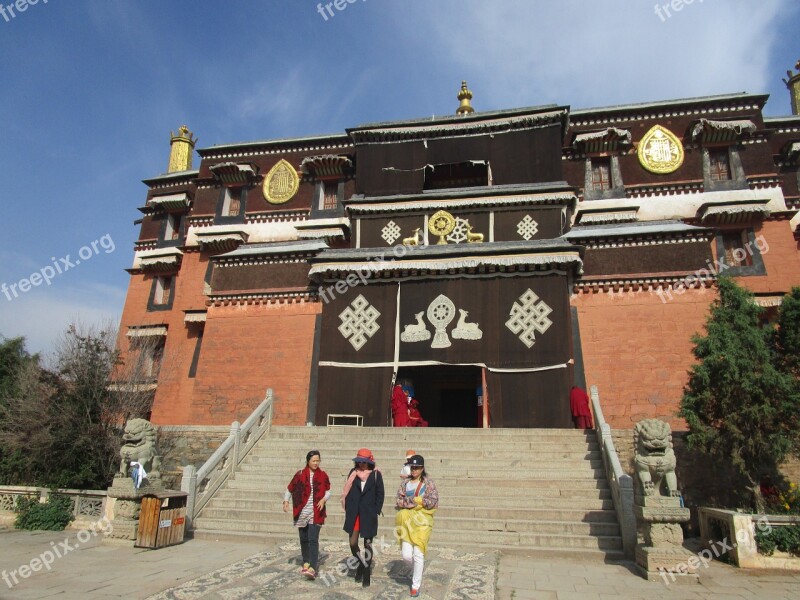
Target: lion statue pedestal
x=124, y=498
x=657, y=506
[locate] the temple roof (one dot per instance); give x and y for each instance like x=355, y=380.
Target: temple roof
x=632, y=229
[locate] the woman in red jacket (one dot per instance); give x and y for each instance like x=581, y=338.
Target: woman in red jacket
x=309, y=491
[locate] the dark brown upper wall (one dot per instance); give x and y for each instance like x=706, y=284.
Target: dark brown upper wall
x=756, y=158
x=782, y=135
x=515, y=157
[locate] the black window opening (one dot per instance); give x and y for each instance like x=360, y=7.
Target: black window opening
x=472, y=173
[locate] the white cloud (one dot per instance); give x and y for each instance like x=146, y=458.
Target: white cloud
x=42, y=315
x=520, y=53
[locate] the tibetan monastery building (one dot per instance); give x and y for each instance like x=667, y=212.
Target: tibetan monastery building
x=508, y=254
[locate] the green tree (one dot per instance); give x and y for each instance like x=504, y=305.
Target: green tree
x=63, y=427
x=787, y=336
x=739, y=406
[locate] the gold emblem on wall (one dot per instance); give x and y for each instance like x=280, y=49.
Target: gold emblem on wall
x=660, y=151
x=442, y=224
x=281, y=183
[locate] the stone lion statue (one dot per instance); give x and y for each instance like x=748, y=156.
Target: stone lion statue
x=139, y=444
x=655, y=459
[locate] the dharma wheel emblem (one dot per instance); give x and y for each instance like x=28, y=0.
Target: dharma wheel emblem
x=281, y=183
x=660, y=151
x=442, y=224
x=441, y=312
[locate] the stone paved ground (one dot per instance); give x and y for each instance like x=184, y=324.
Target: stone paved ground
x=207, y=569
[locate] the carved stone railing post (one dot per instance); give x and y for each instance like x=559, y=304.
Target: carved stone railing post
x=189, y=485
x=237, y=445
x=658, y=506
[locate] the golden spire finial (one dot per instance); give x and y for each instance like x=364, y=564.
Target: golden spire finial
x=181, y=148
x=464, y=96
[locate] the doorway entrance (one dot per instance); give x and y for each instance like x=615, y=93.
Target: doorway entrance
x=446, y=394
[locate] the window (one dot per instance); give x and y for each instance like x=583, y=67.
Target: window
x=601, y=174
x=457, y=175
x=329, y=192
x=152, y=359
x=173, y=231
x=163, y=290
x=232, y=201
x=738, y=252
x=719, y=164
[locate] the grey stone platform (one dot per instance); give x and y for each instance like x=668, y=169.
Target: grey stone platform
x=208, y=569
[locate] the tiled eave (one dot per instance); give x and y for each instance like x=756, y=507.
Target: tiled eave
x=169, y=202
x=423, y=204
x=132, y=388
x=262, y=297
x=449, y=259
x=627, y=214
x=231, y=173
x=457, y=127
x=272, y=252
x=327, y=165
x=733, y=212
x=221, y=238
x=161, y=260
x=717, y=131
x=171, y=179
x=641, y=233
x=194, y=316
x=610, y=139
x=147, y=331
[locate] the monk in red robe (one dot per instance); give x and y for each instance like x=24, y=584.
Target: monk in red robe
x=414, y=416
x=399, y=407
x=579, y=406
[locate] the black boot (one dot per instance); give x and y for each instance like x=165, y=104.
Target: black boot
x=367, y=574
x=359, y=572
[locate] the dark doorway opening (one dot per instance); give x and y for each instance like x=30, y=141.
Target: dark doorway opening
x=446, y=394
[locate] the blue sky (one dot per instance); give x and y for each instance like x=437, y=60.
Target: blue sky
x=90, y=90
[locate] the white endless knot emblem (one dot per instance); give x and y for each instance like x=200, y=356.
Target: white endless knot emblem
x=391, y=232
x=527, y=228
x=528, y=316
x=359, y=322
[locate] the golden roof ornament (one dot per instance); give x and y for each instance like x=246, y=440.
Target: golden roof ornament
x=465, y=96
x=793, y=83
x=181, y=149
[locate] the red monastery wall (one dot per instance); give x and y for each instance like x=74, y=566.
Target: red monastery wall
x=247, y=349
x=637, y=351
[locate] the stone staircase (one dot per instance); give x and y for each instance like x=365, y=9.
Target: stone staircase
x=536, y=490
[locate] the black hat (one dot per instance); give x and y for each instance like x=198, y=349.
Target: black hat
x=416, y=461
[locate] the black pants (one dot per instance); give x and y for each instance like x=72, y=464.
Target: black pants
x=309, y=544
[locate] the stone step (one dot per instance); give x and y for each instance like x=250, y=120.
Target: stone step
x=443, y=522
x=401, y=433
x=441, y=536
x=472, y=476
x=272, y=462
x=431, y=446
x=553, y=498
x=593, y=555
x=577, y=515
x=588, y=468
x=495, y=457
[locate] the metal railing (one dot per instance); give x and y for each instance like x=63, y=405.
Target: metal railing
x=201, y=484
x=621, y=483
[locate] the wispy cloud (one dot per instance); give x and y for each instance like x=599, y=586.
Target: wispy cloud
x=596, y=53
